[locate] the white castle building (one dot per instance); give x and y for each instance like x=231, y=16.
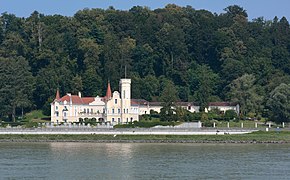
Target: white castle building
x=116, y=107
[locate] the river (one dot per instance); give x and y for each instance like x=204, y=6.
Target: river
x=143, y=161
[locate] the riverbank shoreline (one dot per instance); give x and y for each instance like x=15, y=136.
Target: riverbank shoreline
x=260, y=137
x=145, y=141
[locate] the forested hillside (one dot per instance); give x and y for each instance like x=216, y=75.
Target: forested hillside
x=200, y=56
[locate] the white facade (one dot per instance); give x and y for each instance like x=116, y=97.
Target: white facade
x=116, y=107
x=113, y=108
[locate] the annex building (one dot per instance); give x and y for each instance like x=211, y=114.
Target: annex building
x=116, y=107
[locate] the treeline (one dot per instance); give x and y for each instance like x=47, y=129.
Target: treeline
x=171, y=54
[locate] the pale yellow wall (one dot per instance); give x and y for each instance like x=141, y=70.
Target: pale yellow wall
x=147, y=109
x=93, y=110
x=125, y=90
x=191, y=108
x=113, y=108
x=222, y=108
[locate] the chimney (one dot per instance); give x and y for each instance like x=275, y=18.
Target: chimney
x=80, y=94
x=70, y=98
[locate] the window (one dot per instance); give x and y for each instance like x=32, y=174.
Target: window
x=56, y=108
x=116, y=101
x=124, y=111
x=84, y=110
x=56, y=114
x=127, y=120
x=189, y=107
x=119, y=111
x=92, y=110
x=131, y=119
x=127, y=111
x=113, y=111
x=119, y=120
x=145, y=112
x=113, y=119
x=124, y=95
x=88, y=111
x=64, y=114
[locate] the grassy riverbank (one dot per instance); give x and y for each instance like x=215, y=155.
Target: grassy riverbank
x=256, y=137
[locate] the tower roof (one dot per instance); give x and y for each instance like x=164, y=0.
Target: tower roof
x=109, y=92
x=57, y=97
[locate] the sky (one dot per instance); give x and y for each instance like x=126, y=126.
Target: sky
x=255, y=8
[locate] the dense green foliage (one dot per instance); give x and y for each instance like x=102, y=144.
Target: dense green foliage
x=145, y=124
x=279, y=103
x=199, y=55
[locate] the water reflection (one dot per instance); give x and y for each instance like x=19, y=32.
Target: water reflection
x=95, y=158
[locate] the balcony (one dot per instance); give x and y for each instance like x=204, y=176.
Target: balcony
x=91, y=115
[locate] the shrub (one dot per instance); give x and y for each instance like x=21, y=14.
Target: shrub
x=208, y=123
x=230, y=115
x=31, y=125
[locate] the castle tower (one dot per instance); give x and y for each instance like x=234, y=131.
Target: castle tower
x=125, y=91
x=109, y=92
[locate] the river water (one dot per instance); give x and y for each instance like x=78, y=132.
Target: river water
x=143, y=161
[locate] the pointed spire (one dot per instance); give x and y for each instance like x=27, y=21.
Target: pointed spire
x=57, y=97
x=109, y=92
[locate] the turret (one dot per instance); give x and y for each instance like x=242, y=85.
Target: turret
x=109, y=92
x=125, y=90
x=57, y=96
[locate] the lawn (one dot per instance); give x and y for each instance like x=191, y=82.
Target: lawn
x=36, y=116
x=256, y=137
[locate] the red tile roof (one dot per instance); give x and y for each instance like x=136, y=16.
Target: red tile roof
x=138, y=102
x=88, y=100
x=222, y=104
x=186, y=104
x=76, y=99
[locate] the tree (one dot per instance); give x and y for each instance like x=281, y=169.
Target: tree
x=92, y=80
x=16, y=85
x=202, y=53
x=204, y=81
x=168, y=98
x=230, y=114
x=243, y=91
x=279, y=103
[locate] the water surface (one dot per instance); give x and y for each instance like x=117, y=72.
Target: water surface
x=143, y=161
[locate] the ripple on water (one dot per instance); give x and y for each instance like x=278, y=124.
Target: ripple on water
x=143, y=161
